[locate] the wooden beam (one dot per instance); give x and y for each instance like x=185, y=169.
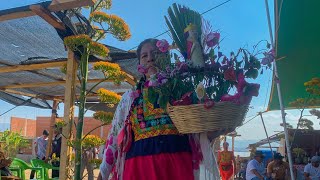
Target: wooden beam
x=56, y=5
x=31, y=67
x=16, y=15
x=52, y=122
x=44, y=84
x=11, y=91
x=59, y=5
x=65, y=157
x=47, y=16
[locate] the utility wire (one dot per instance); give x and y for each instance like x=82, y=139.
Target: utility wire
x=24, y=102
x=248, y=120
x=201, y=14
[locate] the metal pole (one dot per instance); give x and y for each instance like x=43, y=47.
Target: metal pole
x=277, y=80
x=265, y=130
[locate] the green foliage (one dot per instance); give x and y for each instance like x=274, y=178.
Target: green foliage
x=11, y=142
x=305, y=124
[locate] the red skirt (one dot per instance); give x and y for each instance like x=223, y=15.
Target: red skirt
x=226, y=172
x=165, y=166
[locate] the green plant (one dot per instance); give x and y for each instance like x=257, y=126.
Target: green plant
x=87, y=44
x=11, y=142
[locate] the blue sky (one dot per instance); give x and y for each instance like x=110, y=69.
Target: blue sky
x=242, y=23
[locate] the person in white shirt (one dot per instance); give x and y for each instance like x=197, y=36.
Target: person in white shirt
x=312, y=170
x=40, y=148
x=255, y=168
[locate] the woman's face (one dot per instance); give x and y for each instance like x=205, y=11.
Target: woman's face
x=147, y=57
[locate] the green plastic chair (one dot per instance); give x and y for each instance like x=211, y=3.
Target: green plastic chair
x=25, y=166
x=45, y=166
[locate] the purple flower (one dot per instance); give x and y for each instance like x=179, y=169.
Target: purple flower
x=152, y=83
x=163, y=45
x=168, y=69
x=142, y=69
x=224, y=67
x=162, y=79
x=212, y=39
x=268, y=57
x=173, y=73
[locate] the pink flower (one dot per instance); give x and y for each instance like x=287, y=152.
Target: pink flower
x=142, y=69
x=109, y=156
x=163, y=45
x=151, y=83
x=142, y=125
x=241, y=82
x=212, y=39
x=231, y=98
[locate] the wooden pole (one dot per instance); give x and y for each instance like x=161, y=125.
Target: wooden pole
x=65, y=156
x=233, y=142
x=52, y=122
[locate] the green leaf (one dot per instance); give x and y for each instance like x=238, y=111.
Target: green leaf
x=211, y=53
x=152, y=95
x=163, y=101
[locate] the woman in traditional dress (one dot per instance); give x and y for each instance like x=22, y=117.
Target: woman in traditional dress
x=144, y=144
x=226, y=162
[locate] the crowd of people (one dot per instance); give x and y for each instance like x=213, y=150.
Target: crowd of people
x=262, y=168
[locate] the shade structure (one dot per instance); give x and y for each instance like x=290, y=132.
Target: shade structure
x=297, y=34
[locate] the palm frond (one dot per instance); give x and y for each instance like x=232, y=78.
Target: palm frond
x=179, y=17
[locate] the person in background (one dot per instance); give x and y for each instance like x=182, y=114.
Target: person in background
x=238, y=166
x=255, y=168
x=56, y=150
x=312, y=170
x=40, y=148
x=277, y=169
x=226, y=162
x=4, y=165
x=243, y=167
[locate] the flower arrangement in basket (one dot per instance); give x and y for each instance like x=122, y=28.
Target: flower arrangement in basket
x=204, y=89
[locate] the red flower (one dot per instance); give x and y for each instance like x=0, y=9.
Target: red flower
x=185, y=100
x=208, y=103
x=230, y=75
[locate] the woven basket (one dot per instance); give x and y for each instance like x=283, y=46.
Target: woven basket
x=195, y=118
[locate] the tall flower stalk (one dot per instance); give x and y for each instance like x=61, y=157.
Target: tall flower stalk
x=87, y=44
